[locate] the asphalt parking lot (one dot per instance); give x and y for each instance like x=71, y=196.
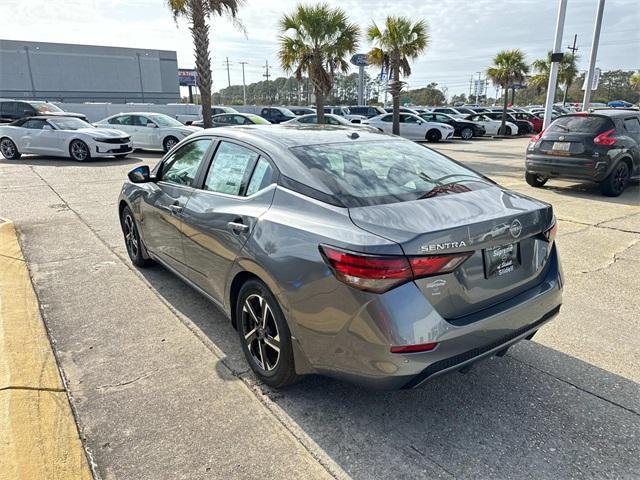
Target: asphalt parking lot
x=160, y=389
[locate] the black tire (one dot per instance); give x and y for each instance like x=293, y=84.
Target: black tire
x=433, y=135
x=169, y=142
x=79, y=151
x=617, y=181
x=123, y=155
x=266, y=343
x=534, y=180
x=466, y=133
x=507, y=131
x=9, y=149
x=132, y=240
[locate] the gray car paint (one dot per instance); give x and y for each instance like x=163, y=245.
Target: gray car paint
x=338, y=330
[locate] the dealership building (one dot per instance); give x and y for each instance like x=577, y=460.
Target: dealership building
x=87, y=73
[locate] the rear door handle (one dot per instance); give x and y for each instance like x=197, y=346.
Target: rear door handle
x=237, y=227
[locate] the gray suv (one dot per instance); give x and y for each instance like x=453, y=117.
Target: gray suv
x=347, y=253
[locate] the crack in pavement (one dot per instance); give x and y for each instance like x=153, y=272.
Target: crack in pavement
x=589, y=392
x=128, y=382
x=32, y=389
x=615, y=259
x=600, y=224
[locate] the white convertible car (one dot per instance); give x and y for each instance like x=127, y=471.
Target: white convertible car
x=413, y=127
x=154, y=131
x=62, y=137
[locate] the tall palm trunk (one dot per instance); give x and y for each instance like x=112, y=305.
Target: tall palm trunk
x=318, y=87
x=502, y=130
x=396, y=89
x=200, y=33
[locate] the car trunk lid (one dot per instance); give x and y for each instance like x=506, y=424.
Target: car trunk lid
x=502, y=229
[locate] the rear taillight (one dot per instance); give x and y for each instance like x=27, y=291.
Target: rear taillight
x=605, y=138
x=379, y=273
x=551, y=233
x=537, y=137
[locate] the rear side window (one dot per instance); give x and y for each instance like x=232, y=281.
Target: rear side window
x=372, y=173
x=581, y=124
x=230, y=169
x=8, y=108
x=632, y=125
x=261, y=178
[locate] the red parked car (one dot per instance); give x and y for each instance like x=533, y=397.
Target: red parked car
x=536, y=121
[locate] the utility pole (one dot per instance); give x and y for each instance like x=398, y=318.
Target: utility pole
x=228, y=74
x=573, y=49
x=478, y=89
x=470, y=87
x=556, y=58
x=244, y=87
x=266, y=75
x=594, y=56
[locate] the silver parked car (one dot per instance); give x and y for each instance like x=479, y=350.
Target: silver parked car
x=353, y=254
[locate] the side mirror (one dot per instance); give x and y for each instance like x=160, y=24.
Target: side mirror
x=140, y=174
x=419, y=122
x=151, y=125
x=47, y=127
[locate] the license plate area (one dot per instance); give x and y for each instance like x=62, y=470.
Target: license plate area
x=561, y=146
x=501, y=260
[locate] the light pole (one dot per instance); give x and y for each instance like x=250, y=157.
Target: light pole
x=594, y=55
x=556, y=58
x=244, y=87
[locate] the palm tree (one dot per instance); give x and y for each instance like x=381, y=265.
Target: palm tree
x=399, y=42
x=634, y=80
x=197, y=12
x=509, y=67
x=567, y=72
x=314, y=41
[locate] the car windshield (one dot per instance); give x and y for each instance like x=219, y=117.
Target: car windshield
x=378, y=172
x=165, y=121
x=44, y=107
x=69, y=123
x=580, y=124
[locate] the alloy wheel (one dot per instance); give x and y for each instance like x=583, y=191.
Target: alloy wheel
x=169, y=143
x=131, y=237
x=79, y=151
x=260, y=332
x=620, y=177
x=7, y=148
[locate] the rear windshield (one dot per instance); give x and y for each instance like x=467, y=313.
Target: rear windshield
x=373, y=173
x=581, y=124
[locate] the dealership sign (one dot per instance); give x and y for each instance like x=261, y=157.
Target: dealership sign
x=187, y=77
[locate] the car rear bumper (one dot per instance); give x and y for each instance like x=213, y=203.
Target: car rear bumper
x=572, y=167
x=361, y=352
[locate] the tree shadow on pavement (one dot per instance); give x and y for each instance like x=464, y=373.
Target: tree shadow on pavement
x=535, y=413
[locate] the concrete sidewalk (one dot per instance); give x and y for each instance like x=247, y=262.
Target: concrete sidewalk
x=39, y=436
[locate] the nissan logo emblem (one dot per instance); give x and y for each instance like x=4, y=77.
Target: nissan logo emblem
x=515, y=229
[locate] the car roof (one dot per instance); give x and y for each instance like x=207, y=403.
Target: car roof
x=48, y=116
x=615, y=112
x=288, y=136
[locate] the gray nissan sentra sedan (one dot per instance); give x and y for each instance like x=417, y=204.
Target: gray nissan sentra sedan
x=348, y=253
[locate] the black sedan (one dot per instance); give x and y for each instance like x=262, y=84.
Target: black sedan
x=602, y=147
x=463, y=128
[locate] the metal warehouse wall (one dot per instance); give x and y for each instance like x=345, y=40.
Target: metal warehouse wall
x=85, y=73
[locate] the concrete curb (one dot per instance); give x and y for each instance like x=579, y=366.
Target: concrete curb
x=39, y=435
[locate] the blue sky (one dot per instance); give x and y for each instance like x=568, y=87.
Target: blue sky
x=465, y=34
